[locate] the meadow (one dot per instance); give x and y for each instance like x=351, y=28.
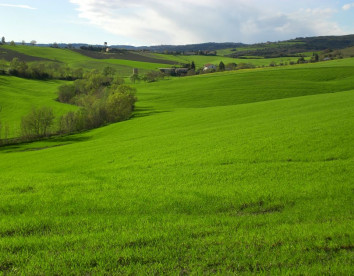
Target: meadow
x=228, y=173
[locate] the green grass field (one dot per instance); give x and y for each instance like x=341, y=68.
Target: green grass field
x=229, y=173
x=200, y=61
x=18, y=96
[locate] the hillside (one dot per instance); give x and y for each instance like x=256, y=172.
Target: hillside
x=227, y=173
x=78, y=59
x=18, y=96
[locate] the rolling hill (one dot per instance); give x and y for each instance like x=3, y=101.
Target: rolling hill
x=228, y=173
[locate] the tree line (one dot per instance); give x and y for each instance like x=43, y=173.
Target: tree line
x=40, y=70
x=102, y=98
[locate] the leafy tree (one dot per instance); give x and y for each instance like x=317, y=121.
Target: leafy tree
x=192, y=66
x=66, y=93
x=315, y=57
x=301, y=60
x=37, y=123
x=109, y=71
x=3, y=67
x=221, y=66
x=134, y=78
x=153, y=76
x=68, y=123
x=231, y=66
x=12, y=43
x=18, y=68
x=3, y=40
x=23, y=42
x=33, y=42
x=120, y=103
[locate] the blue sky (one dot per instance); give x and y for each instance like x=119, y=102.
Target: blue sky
x=152, y=22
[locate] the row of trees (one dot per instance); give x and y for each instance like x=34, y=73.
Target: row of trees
x=12, y=43
x=102, y=99
x=40, y=70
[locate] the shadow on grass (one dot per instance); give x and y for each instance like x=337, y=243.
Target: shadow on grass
x=55, y=141
x=146, y=111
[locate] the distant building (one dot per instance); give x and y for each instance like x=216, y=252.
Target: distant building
x=174, y=71
x=209, y=67
x=180, y=71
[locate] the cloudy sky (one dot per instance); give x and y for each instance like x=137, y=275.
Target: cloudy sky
x=154, y=22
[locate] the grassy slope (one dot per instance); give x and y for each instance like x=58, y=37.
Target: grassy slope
x=18, y=96
x=246, y=86
x=123, y=67
x=200, y=61
x=228, y=51
x=257, y=187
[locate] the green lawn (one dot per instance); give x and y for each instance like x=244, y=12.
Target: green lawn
x=229, y=173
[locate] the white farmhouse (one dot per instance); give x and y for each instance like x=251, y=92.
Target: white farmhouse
x=209, y=67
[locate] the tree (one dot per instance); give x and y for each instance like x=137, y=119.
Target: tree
x=17, y=67
x=33, y=42
x=301, y=60
x=120, y=103
x=192, y=66
x=12, y=43
x=3, y=40
x=231, y=66
x=37, y=123
x=153, y=76
x=55, y=45
x=3, y=66
x=221, y=66
x=66, y=93
x=134, y=78
x=109, y=71
x=23, y=42
x=315, y=57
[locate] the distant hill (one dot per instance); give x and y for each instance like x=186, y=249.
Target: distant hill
x=295, y=46
x=292, y=46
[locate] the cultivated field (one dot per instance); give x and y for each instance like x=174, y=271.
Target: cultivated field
x=124, y=67
x=227, y=173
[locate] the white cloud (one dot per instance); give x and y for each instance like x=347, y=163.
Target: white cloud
x=18, y=6
x=348, y=6
x=186, y=21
